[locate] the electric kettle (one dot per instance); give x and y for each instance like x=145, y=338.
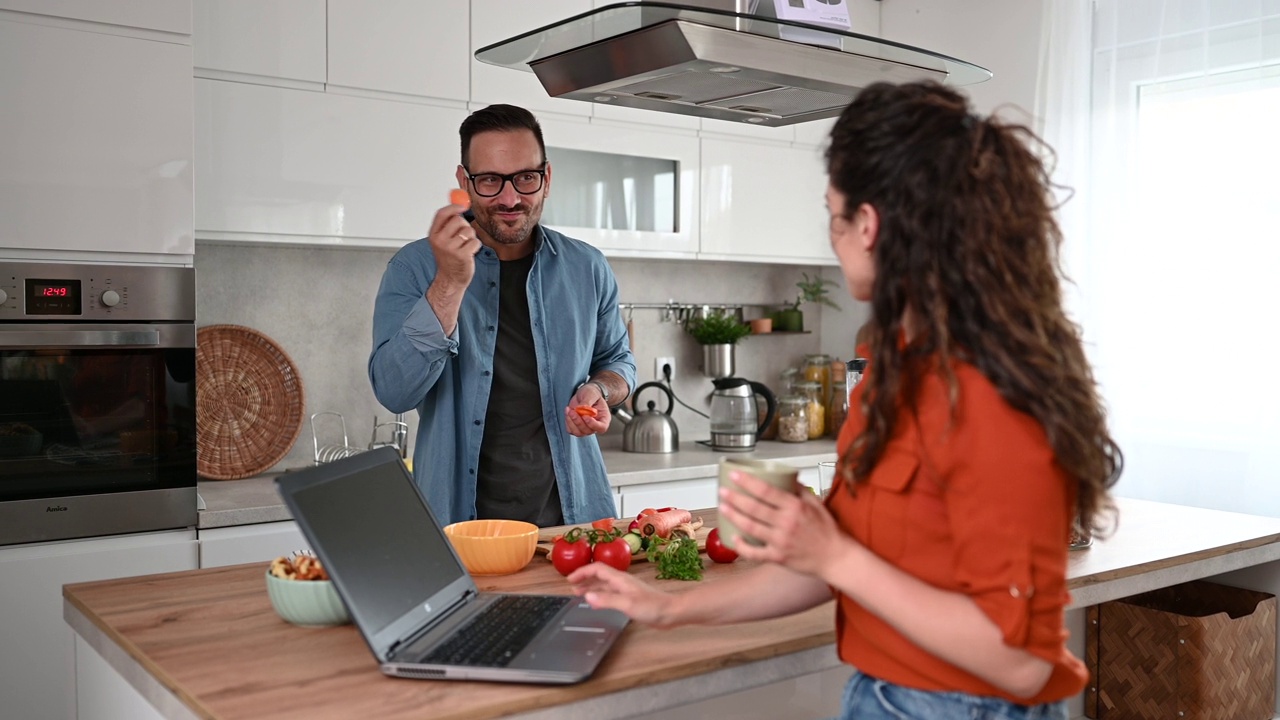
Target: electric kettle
x=735, y=413
x=649, y=431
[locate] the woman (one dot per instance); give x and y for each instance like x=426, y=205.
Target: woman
x=973, y=441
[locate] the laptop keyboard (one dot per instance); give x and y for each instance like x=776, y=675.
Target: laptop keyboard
x=494, y=637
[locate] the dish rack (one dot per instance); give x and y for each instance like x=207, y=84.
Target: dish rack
x=334, y=451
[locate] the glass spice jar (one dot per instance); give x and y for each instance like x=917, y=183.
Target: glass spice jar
x=817, y=409
x=793, y=418
x=817, y=368
x=838, y=408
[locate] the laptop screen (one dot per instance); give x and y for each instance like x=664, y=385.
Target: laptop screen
x=379, y=535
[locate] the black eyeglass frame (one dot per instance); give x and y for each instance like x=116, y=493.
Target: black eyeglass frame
x=511, y=178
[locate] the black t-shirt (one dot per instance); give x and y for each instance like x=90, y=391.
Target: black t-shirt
x=516, y=480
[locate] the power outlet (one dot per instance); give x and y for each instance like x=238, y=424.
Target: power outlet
x=657, y=367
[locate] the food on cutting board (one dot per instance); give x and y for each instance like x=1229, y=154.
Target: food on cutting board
x=599, y=544
x=717, y=550
x=299, y=567
x=666, y=536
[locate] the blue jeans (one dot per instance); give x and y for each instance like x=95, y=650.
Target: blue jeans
x=866, y=698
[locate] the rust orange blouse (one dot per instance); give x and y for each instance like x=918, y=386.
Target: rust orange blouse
x=974, y=504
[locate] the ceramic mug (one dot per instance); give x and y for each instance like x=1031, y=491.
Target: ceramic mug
x=780, y=475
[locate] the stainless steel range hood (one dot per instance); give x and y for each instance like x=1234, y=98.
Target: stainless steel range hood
x=716, y=61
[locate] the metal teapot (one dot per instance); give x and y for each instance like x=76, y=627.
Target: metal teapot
x=649, y=431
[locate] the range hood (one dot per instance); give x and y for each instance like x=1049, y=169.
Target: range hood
x=714, y=59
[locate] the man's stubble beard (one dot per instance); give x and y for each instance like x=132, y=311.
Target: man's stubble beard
x=504, y=235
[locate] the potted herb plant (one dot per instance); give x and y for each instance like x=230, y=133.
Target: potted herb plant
x=717, y=332
x=812, y=290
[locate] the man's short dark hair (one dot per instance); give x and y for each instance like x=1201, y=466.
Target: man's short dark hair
x=501, y=118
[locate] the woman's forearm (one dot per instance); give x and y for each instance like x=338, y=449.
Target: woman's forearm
x=766, y=592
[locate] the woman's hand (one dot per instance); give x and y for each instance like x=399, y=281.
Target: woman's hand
x=604, y=587
x=797, y=531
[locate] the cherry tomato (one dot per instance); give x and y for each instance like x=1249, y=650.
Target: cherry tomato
x=717, y=550
x=616, y=554
x=568, y=556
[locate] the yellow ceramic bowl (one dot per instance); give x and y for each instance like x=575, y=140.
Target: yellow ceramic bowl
x=493, y=547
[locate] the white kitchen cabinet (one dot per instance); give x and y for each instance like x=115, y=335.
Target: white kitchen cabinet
x=36, y=649
x=262, y=542
x=163, y=15
x=292, y=166
x=681, y=240
x=97, y=141
x=689, y=494
x=402, y=46
x=497, y=20
x=271, y=38
x=763, y=203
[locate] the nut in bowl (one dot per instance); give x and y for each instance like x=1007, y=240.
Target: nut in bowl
x=493, y=547
x=302, y=593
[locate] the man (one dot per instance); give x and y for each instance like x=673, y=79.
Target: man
x=497, y=330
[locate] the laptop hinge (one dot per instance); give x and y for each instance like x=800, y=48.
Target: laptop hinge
x=440, y=617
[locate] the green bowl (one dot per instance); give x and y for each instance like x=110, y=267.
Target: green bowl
x=309, y=603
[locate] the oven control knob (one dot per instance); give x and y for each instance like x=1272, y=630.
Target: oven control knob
x=3, y=296
x=111, y=298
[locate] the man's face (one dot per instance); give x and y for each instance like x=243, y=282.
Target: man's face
x=508, y=217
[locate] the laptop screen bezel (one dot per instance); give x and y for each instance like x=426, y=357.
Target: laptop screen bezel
x=425, y=612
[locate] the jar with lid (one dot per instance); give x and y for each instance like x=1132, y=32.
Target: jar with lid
x=817, y=368
x=816, y=409
x=838, y=408
x=793, y=418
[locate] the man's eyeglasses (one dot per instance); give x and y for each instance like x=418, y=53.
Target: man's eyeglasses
x=526, y=182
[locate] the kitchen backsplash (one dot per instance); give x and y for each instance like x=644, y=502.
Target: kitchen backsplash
x=318, y=305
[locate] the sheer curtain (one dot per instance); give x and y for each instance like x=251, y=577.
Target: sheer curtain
x=1173, y=235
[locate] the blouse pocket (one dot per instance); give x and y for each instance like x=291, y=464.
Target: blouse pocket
x=889, y=498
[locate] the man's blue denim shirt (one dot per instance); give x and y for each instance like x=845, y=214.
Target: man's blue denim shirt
x=577, y=331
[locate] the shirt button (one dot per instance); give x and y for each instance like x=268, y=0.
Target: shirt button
x=490, y=328
x=472, y=471
x=492, y=284
x=486, y=373
x=477, y=422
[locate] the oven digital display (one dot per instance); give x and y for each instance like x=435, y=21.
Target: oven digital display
x=53, y=297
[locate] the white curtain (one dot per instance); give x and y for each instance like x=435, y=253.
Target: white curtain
x=1175, y=234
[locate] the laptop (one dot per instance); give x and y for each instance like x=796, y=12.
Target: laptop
x=410, y=595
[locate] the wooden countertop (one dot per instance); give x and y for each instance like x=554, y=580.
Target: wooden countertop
x=209, y=642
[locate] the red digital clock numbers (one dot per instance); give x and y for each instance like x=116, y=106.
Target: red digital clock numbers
x=52, y=291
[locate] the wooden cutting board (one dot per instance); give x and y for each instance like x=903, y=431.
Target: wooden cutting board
x=547, y=536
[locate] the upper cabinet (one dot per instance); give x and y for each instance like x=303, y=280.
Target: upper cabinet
x=629, y=191
x=97, y=141
x=295, y=166
x=163, y=15
x=763, y=203
x=272, y=38
x=495, y=20
x=402, y=46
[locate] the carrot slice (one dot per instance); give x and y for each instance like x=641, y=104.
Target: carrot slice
x=458, y=196
x=586, y=411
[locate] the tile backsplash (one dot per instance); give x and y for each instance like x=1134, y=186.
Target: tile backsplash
x=318, y=305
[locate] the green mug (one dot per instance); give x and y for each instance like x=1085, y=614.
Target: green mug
x=780, y=475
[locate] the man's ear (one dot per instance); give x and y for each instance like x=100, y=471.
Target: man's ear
x=546, y=180
x=461, y=175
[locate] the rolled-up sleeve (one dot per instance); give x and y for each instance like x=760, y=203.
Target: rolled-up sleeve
x=612, y=350
x=409, y=344
x=1009, y=504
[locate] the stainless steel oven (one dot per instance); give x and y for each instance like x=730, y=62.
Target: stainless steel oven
x=97, y=400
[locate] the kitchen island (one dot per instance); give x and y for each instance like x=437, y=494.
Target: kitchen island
x=206, y=643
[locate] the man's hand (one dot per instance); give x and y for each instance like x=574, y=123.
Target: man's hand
x=587, y=413
x=454, y=244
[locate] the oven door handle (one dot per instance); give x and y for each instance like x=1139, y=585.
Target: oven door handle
x=80, y=338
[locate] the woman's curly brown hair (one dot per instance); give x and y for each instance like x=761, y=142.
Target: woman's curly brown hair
x=968, y=244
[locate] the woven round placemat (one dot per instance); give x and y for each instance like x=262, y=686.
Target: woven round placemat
x=249, y=402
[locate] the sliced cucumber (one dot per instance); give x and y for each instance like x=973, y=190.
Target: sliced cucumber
x=634, y=541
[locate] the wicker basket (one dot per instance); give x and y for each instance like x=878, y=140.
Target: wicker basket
x=1198, y=651
x=249, y=402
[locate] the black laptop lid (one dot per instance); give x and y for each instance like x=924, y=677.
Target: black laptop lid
x=366, y=520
